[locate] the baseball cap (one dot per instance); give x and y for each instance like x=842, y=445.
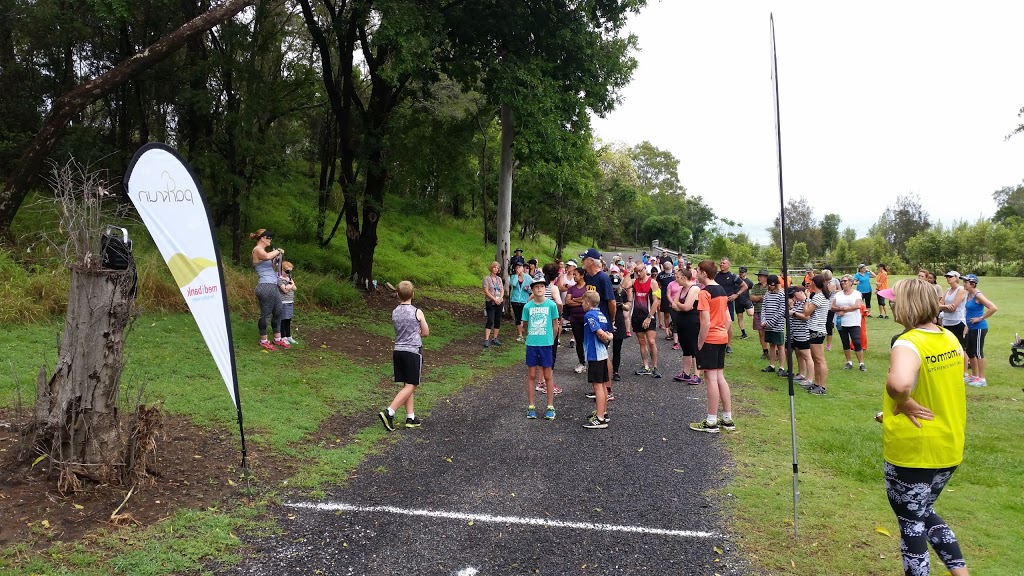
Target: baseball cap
x=591, y=253
x=520, y=263
x=773, y=279
x=952, y=274
x=570, y=263
x=887, y=294
x=971, y=278
x=743, y=268
x=793, y=290
x=616, y=280
x=517, y=250
x=763, y=272
x=862, y=266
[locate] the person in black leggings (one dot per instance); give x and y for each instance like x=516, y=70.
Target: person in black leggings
x=494, y=297
x=621, y=329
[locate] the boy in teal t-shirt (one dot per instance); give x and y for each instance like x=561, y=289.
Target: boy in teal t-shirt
x=542, y=327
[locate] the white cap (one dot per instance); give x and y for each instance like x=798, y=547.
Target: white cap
x=952, y=274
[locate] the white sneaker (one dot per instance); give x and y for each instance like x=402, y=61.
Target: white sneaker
x=578, y=369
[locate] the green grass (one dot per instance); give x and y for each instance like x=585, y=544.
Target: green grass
x=842, y=498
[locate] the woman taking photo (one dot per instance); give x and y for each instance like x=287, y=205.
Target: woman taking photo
x=267, y=291
x=847, y=306
x=494, y=295
x=977, y=309
x=923, y=424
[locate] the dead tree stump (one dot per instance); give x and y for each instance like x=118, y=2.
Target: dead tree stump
x=76, y=420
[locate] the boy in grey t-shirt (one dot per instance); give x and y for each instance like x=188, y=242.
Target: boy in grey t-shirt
x=410, y=329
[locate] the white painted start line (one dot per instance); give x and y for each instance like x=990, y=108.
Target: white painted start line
x=339, y=506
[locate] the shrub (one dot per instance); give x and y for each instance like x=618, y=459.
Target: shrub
x=332, y=293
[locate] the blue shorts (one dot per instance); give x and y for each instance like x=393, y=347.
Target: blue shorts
x=539, y=356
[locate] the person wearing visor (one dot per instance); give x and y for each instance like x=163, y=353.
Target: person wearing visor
x=267, y=292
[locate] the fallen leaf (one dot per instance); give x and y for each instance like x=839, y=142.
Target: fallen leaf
x=640, y=449
x=231, y=482
x=793, y=564
x=717, y=550
x=881, y=530
x=38, y=460
x=323, y=345
x=678, y=470
x=470, y=523
x=78, y=506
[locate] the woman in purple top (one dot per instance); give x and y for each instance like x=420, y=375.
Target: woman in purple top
x=574, y=307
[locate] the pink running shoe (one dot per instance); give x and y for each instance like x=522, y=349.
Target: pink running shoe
x=675, y=346
x=282, y=343
x=267, y=345
x=558, y=390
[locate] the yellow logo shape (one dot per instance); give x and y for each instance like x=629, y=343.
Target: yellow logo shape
x=185, y=269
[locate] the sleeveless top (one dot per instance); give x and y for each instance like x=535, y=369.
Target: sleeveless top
x=265, y=272
x=956, y=316
x=407, y=329
x=693, y=315
x=938, y=443
x=974, y=309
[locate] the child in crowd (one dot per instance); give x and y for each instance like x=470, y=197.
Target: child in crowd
x=286, y=284
x=410, y=329
x=542, y=328
x=801, y=334
x=596, y=337
x=773, y=317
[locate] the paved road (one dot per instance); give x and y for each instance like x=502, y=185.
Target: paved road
x=482, y=490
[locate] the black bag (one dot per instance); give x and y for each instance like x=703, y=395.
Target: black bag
x=115, y=250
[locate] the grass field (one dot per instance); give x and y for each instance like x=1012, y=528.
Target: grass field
x=845, y=523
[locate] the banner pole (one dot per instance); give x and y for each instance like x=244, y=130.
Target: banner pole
x=785, y=274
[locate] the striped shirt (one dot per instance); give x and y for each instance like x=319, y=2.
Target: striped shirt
x=798, y=327
x=773, y=311
x=816, y=324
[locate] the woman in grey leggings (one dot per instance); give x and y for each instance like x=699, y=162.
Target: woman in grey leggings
x=266, y=288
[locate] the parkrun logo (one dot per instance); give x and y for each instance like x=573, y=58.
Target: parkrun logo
x=171, y=192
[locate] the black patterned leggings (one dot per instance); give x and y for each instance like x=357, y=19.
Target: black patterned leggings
x=270, y=305
x=912, y=493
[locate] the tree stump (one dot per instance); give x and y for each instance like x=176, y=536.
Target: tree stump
x=76, y=419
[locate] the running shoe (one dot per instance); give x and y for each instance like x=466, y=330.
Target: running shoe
x=595, y=423
x=782, y=373
x=968, y=378
x=655, y=373
x=848, y=366
x=799, y=378
x=616, y=377
x=668, y=338
x=593, y=414
x=611, y=397
x=496, y=342
x=266, y=345
x=487, y=344
x=578, y=369
x=412, y=423
x=695, y=380
x=519, y=338
x=863, y=368
x=807, y=384
x=292, y=340
x=681, y=377
x=557, y=390
x=704, y=426
x=817, y=390
x=978, y=383
x=549, y=414
x=591, y=396
x=645, y=371
x=541, y=388
x=572, y=343
x=728, y=349
x=828, y=348
x=764, y=355
x=387, y=420
x=675, y=346
x=282, y=343
x=744, y=336
x=880, y=316
x=728, y=425
x=531, y=412
x=768, y=369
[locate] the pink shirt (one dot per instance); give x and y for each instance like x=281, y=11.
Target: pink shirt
x=674, y=288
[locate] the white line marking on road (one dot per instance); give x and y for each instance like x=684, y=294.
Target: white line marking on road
x=340, y=506
x=468, y=571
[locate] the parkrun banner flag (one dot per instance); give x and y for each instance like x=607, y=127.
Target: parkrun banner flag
x=168, y=198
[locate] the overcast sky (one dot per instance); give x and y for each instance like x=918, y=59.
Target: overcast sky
x=877, y=99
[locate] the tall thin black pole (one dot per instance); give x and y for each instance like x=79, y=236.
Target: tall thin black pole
x=785, y=275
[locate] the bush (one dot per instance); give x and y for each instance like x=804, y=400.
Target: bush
x=331, y=293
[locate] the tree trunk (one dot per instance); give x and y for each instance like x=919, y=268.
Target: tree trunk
x=75, y=101
x=504, y=231
x=76, y=420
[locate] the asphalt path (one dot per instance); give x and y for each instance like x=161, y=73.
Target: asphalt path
x=479, y=489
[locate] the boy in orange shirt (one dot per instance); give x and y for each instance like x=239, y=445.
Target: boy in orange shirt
x=713, y=304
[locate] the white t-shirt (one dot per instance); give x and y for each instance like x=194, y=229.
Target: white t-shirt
x=851, y=318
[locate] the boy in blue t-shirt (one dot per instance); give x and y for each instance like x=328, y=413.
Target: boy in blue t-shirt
x=542, y=328
x=596, y=336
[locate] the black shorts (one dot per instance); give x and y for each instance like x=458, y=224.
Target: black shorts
x=959, y=330
x=688, y=333
x=820, y=339
x=711, y=357
x=637, y=322
x=408, y=366
x=801, y=344
x=976, y=343
x=597, y=371
x=732, y=310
